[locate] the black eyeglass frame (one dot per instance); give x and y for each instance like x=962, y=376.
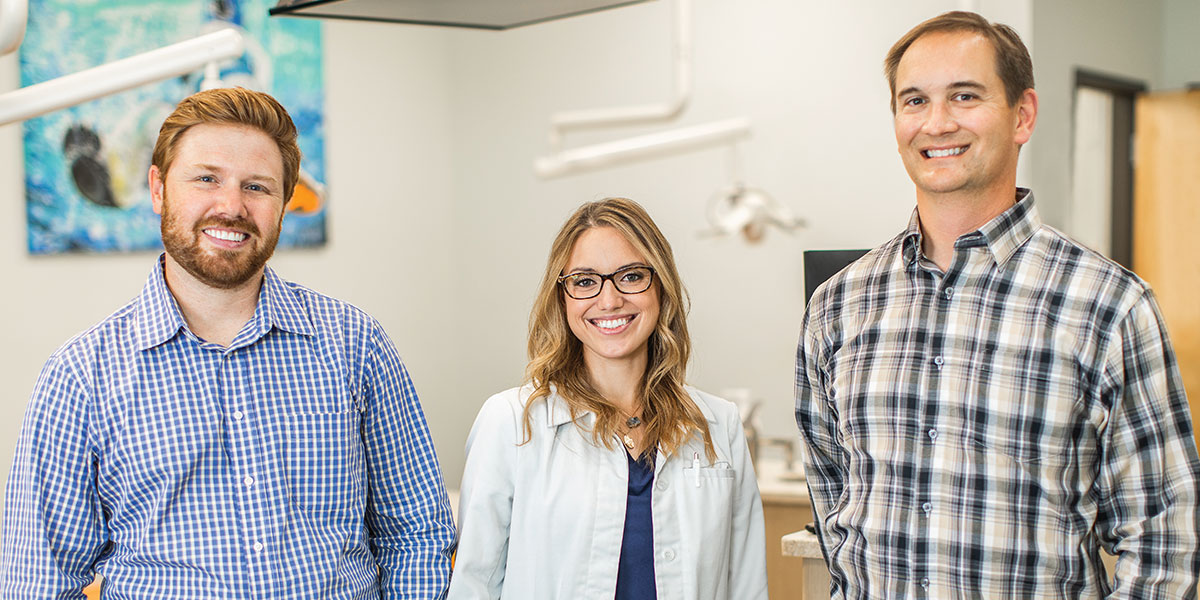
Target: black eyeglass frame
x=607, y=277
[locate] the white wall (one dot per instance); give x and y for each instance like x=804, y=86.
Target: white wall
x=431, y=136
x=1181, y=43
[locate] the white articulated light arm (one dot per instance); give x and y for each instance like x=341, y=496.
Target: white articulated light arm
x=13, y=17
x=681, y=62
x=117, y=76
x=583, y=158
x=574, y=160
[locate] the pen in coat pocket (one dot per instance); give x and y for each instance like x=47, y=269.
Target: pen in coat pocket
x=696, y=467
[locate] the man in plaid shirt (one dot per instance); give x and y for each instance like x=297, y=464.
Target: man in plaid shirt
x=985, y=403
x=227, y=434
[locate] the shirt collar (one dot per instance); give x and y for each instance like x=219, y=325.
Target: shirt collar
x=279, y=306
x=159, y=318
x=1002, y=236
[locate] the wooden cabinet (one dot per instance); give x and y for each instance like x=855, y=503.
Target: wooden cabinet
x=784, y=514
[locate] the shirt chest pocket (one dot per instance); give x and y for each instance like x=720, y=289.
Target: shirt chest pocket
x=325, y=462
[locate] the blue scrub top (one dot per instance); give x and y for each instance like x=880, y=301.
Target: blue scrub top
x=635, y=573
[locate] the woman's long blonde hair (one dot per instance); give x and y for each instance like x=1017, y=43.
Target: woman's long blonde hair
x=556, y=355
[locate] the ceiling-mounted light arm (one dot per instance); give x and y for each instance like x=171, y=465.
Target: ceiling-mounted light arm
x=685, y=139
x=212, y=77
x=117, y=76
x=13, y=17
x=681, y=64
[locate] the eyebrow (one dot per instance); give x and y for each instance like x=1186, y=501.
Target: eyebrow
x=591, y=270
x=957, y=85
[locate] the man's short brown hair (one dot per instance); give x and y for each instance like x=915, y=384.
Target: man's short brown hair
x=1013, y=64
x=232, y=106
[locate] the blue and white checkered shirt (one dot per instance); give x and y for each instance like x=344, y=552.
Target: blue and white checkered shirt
x=296, y=463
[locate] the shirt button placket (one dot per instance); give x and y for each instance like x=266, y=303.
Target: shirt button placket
x=233, y=395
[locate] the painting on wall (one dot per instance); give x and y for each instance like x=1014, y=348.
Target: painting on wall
x=85, y=166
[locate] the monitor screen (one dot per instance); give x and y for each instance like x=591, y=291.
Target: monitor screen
x=820, y=265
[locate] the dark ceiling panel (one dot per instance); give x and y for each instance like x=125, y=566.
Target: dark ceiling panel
x=478, y=14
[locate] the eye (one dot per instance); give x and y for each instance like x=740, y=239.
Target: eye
x=583, y=281
x=633, y=275
x=965, y=96
x=256, y=187
x=914, y=101
x=207, y=179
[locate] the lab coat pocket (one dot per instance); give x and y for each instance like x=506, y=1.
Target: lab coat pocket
x=706, y=512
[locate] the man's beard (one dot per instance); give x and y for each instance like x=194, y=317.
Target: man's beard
x=218, y=268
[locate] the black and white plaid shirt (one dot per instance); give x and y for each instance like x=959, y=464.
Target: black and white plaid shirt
x=981, y=433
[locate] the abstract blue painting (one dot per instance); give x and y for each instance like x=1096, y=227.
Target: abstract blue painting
x=85, y=166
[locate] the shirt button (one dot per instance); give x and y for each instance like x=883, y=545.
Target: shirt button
x=937, y=360
x=927, y=507
x=932, y=434
x=925, y=583
x=237, y=414
x=258, y=546
x=668, y=554
x=948, y=294
x=249, y=481
x=661, y=484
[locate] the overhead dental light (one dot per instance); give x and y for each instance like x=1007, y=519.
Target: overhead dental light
x=476, y=14
x=748, y=212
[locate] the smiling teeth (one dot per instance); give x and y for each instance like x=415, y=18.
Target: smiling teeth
x=945, y=153
x=611, y=323
x=229, y=236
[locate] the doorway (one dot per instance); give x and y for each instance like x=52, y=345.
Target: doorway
x=1101, y=212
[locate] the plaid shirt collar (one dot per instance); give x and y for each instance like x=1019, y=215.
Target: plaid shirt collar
x=1002, y=236
x=159, y=318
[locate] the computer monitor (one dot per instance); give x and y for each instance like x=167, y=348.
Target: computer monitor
x=820, y=265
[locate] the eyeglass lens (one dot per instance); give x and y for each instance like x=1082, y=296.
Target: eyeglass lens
x=630, y=280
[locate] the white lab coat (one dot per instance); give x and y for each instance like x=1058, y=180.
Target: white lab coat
x=544, y=520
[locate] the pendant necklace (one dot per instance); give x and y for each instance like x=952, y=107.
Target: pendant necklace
x=630, y=424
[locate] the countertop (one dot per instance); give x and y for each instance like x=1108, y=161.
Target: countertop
x=779, y=485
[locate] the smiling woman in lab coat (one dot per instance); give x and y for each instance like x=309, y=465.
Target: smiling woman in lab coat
x=605, y=476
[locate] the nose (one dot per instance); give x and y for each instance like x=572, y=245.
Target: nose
x=609, y=296
x=229, y=202
x=939, y=120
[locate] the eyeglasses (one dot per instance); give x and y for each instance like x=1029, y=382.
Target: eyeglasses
x=630, y=280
